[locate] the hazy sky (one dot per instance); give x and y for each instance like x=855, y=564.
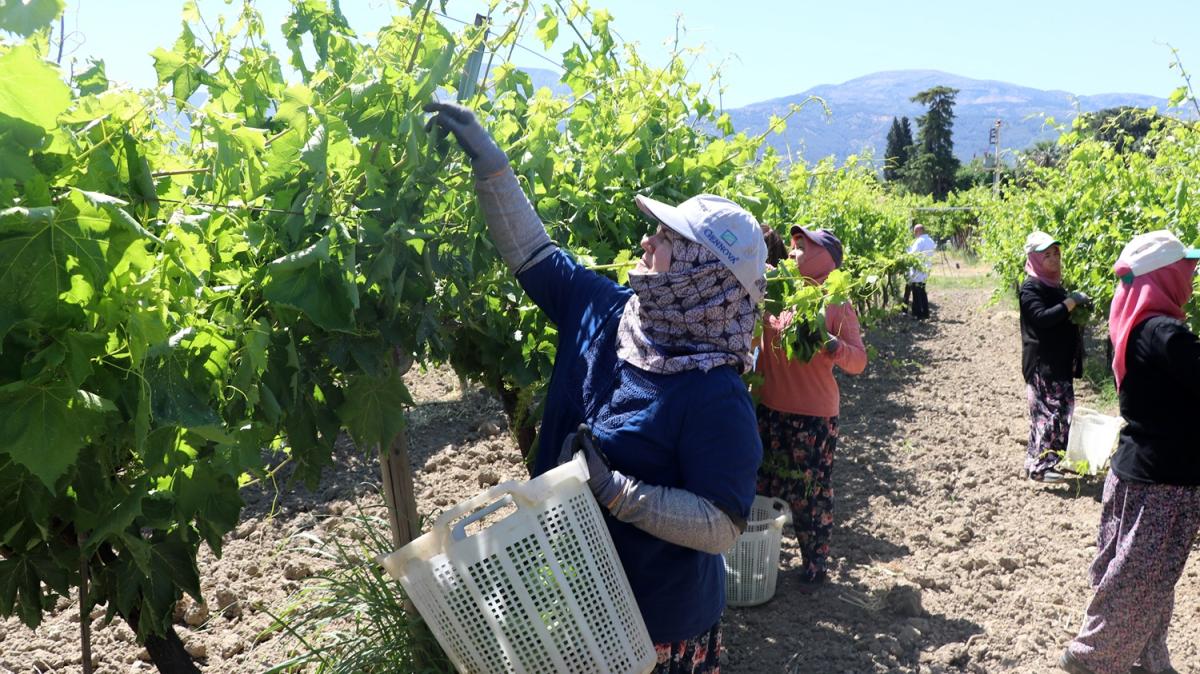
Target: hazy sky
x=772, y=49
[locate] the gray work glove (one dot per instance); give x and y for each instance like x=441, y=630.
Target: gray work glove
x=606, y=484
x=1081, y=299
x=486, y=157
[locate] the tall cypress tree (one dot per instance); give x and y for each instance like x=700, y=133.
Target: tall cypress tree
x=893, y=158
x=899, y=146
x=932, y=168
x=906, y=137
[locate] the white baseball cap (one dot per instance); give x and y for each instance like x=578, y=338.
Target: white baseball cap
x=1153, y=250
x=723, y=227
x=1038, y=242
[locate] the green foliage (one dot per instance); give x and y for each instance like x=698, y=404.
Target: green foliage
x=1098, y=198
x=802, y=303
x=1125, y=128
x=26, y=17
x=191, y=293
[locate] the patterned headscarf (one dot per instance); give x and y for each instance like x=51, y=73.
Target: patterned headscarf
x=696, y=315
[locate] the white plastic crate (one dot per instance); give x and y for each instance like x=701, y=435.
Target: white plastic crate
x=1093, y=438
x=752, y=565
x=540, y=591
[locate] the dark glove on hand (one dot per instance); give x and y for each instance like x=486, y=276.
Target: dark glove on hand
x=486, y=157
x=606, y=484
x=1081, y=299
x=832, y=345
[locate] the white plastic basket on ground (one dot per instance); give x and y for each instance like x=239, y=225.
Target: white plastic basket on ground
x=752, y=565
x=541, y=591
x=1093, y=439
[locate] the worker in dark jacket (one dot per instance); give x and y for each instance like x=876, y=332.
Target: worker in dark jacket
x=1151, y=511
x=1051, y=355
x=652, y=372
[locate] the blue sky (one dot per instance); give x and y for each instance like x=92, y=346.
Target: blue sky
x=770, y=48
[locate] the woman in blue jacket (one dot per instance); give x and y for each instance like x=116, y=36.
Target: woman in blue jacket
x=651, y=372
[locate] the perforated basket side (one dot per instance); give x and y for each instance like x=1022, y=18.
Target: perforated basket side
x=454, y=616
x=612, y=614
x=752, y=565
x=540, y=591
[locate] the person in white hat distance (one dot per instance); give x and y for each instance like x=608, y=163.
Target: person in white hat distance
x=1051, y=355
x=1151, y=509
x=647, y=384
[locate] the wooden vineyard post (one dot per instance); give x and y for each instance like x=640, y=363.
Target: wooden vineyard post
x=396, y=473
x=397, y=478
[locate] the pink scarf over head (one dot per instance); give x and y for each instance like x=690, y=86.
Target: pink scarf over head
x=817, y=263
x=1035, y=266
x=1162, y=292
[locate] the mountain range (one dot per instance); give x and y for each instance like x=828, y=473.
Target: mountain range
x=861, y=112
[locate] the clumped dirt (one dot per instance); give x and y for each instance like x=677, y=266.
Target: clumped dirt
x=943, y=560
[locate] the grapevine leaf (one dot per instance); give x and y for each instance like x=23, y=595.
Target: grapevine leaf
x=115, y=518
x=21, y=587
x=212, y=500
x=374, y=409
x=302, y=258
x=1177, y=96
x=15, y=162
x=26, y=17
x=93, y=80
x=44, y=427
x=174, y=400
x=547, y=27
x=316, y=290
x=30, y=90
x=172, y=565
x=24, y=502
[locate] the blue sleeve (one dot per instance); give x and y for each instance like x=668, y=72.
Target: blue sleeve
x=566, y=290
x=720, y=449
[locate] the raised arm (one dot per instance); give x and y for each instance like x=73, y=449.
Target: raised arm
x=560, y=287
x=513, y=225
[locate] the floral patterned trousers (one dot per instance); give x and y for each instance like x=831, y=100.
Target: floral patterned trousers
x=699, y=655
x=1146, y=533
x=798, y=468
x=1050, y=406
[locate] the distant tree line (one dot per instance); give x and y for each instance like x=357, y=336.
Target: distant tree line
x=927, y=165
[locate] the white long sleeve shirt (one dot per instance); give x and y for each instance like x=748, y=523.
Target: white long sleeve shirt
x=923, y=246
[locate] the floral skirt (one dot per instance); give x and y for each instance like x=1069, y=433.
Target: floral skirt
x=1146, y=534
x=698, y=655
x=1050, y=406
x=798, y=468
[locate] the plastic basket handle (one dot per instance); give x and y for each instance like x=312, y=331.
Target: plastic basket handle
x=459, y=532
x=493, y=499
x=785, y=517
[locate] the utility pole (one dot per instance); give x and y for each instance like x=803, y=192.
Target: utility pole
x=995, y=139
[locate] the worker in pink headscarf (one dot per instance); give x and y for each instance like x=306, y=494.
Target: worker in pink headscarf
x=798, y=412
x=1151, y=511
x=1051, y=355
